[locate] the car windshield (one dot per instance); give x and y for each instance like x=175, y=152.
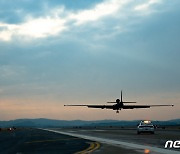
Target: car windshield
x=147, y=123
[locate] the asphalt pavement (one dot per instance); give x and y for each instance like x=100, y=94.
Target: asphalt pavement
x=35, y=141
x=83, y=141
x=128, y=139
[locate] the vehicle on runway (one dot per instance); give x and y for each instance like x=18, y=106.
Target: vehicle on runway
x=11, y=128
x=119, y=104
x=145, y=126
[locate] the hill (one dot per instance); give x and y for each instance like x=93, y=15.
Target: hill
x=63, y=123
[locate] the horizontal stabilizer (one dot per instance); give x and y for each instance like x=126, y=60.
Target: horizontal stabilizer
x=129, y=102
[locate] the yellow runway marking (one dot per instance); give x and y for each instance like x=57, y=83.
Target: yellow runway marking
x=40, y=141
x=93, y=146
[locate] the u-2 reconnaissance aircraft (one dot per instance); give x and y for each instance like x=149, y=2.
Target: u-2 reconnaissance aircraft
x=119, y=104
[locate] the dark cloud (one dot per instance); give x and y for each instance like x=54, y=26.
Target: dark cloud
x=15, y=12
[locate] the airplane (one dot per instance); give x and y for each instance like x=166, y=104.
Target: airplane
x=120, y=104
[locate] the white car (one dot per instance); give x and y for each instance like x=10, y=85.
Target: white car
x=145, y=126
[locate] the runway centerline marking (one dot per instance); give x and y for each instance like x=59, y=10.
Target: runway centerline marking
x=122, y=144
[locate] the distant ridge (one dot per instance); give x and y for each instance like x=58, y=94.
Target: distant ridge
x=42, y=122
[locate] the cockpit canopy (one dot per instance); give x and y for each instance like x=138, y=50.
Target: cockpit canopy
x=117, y=100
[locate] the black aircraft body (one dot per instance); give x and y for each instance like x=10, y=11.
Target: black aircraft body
x=119, y=104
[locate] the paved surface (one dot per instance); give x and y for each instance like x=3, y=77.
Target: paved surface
x=104, y=148
x=144, y=143
x=28, y=141
x=36, y=141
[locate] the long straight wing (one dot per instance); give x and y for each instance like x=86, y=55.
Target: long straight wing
x=160, y=105
x=96, y=106
x=123, y=107
x=142, y=106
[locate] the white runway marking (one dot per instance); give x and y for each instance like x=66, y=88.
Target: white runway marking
x=117, y=143
x=99, y=130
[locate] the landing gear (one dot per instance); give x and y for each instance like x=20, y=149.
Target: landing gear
x=117, y=111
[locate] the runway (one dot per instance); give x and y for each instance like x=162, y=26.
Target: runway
x=35, y=141
x=127, y=139
x=83, y=141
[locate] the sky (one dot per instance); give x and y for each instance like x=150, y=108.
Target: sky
x=85, y=52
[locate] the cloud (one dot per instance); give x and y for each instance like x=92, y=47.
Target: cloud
x=146, y=6
x=35, y=28
x=41, y=27
x=99, y=11
x=60, y=19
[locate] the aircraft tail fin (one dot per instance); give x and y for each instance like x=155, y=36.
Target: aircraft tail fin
x=121, y=97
